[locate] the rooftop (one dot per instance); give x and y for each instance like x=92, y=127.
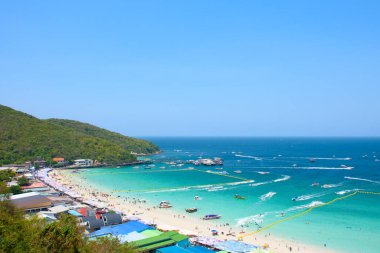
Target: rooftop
x=25, y=195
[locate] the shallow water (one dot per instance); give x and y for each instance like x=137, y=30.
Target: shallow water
x=350, y=225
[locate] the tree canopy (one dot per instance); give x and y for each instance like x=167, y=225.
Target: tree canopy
x=24, y=137
x=20, y=234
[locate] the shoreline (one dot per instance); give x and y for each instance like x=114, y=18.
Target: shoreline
x=165, y=217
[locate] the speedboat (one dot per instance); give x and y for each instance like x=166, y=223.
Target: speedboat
x=314, y=184
x=237, y=171
x=263, y=172
x=312, y=160
x=239, y=197
x=211, y=217
x=191, y=210
x=165, y=204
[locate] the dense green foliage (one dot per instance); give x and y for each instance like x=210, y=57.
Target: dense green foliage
x=18, y=234
x=24, y=137
x=133, y=144
x=7, y=175
x=15, y=189
x=23, y=181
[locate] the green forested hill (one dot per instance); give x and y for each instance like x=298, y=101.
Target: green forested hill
x=24, y=137
x=133, y=144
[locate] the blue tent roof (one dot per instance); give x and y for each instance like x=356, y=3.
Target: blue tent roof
x=75, y=213
x=200, y=249
x=122, y=229
x=131, y=237
x=172, y=249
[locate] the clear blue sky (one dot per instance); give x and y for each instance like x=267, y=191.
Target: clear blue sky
x=196, y=68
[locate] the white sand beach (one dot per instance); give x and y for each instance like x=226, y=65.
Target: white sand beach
x=169, y=218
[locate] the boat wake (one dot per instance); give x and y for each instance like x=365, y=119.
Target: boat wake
x=169, y=190
x=216, y=188
x=248, y=156
x=304, y=168
x=283, y=178
x=310, y=205
x=334, y=158
x=242, y=182
x=310, y=196
x=347, y=191
x=362, y=179
x=323, y=158
x=267, y=196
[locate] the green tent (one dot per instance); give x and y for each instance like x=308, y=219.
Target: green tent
x=151, y=233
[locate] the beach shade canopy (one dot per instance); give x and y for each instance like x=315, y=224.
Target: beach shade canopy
x=199, y=249
x=151, y=232
x=172, y=249
x=165, y=239
x=131, y=237
x=235, y=246
x=122, y=229
x=101, y=232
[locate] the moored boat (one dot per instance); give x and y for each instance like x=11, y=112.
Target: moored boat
x=191, y=210
x=165, y=204
x=211, y=217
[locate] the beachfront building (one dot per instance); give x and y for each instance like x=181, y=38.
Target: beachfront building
x=35, y=187
x=83, y=162
x=92, y=223
x=39, y=164
x=57, y=211
x=59, y=160
x=31, y=201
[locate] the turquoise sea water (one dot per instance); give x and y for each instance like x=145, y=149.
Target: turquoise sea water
x=350, y=225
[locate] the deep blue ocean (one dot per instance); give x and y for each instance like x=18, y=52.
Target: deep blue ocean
x=280, y=170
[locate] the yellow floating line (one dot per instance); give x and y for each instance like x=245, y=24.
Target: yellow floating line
x=306, y=212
